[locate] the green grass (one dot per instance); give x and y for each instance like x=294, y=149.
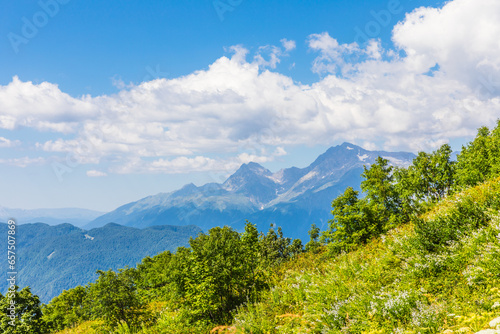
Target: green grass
x=393, y=284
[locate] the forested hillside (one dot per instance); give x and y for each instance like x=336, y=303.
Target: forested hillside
x=51, y=259
x=419, y=253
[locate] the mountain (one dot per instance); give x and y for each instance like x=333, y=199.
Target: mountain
x=292, y=198
x=74, y=216
x=51, y=259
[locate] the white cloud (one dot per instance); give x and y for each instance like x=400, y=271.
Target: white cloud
x=237, y=111
x=95, y=173
x=270, y=55
x=289, y=45
x=334, y=57
x=42, y=106
x=22, y=162
x=4, y=142
x=462, y=37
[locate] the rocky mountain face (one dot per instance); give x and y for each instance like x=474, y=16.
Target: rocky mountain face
x=292, y=198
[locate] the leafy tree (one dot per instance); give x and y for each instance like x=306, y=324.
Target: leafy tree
x=313, y=245
x=378, y=184
x=427, y=180
x=352, y=222
x=480, y=159
x=66, y=310
x=276, y=248
x=22, y=317
x=220, y=277
x=113, y=298
x=381, y=193
x=494, y=149
x=225, y=269
x=160, y=277
x=473, y=162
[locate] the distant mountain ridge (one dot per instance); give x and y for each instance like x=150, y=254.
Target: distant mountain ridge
x=293, y=198
x=74, y=216
x=51, y=259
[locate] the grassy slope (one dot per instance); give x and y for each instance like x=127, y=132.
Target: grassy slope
x=390, y=285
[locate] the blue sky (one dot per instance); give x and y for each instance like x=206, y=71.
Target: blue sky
x=87, y=43
x=105, y=102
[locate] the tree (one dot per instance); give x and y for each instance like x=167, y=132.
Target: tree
x=113, y=298
x=276, y=248
x=24, y=315
x=67, y=309
x=494, y=150
x=352, y=222
x=480, y=159
x=383, y=199
x=222, y=273
x=430, y=178
x=473, y=162
x=313, y=245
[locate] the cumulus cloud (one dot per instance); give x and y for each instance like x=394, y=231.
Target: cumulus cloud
x=43, y=107
x=462, y=37
x=238, y=111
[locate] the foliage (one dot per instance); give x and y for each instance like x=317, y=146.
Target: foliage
x=458, y=215
x=352, y=224
x=113, y=298
x=314, y=244
x=419, y=253
x=430, y=178
x=382, y=194
x=392, y=284
x=276, y=249
x=220, y=277
x=24, y=315
x=66, y=310
x=57, y=258
x=480, y=159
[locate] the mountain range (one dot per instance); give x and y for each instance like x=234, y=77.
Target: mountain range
x=74, y=216
x=51, y=259
x=292, y=198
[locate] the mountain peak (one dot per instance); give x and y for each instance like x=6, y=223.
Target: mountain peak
x=338, y=156
x=254, y=167
x=349, y=146
x=254, y=181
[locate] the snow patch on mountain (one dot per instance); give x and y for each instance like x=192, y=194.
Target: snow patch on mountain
x=398, y=162
x=362, y=157
x=308, y=176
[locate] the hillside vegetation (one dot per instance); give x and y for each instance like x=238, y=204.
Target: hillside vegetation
x=419, y=253
x=52, y=259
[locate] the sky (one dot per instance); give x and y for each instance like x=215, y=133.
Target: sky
x=106, y=102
